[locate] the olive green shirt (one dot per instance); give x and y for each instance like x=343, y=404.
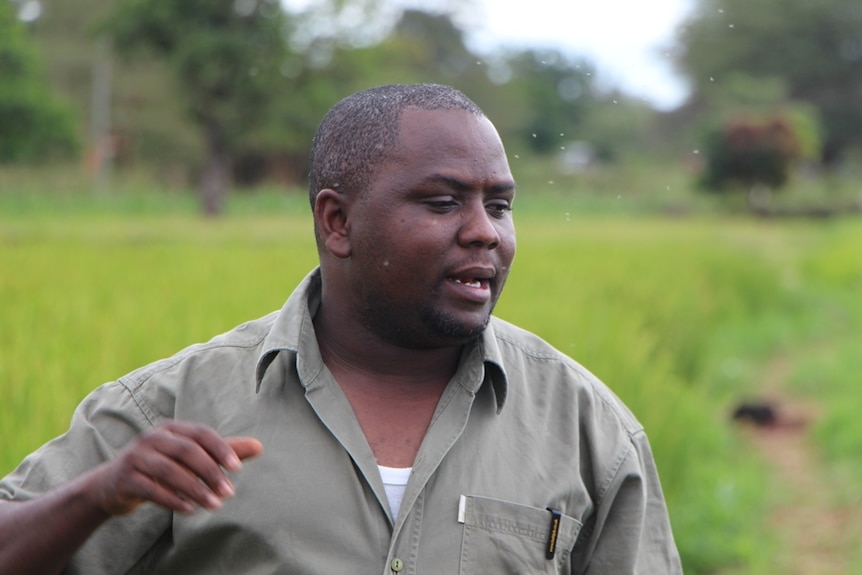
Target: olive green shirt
x=519, y=430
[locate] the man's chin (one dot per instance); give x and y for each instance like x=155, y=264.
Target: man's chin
x=433, y=327
x=456, y=330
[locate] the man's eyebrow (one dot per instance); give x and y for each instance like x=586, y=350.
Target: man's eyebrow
x=462, y=186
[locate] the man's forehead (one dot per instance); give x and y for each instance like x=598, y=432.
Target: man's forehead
x=451, y=145
x=442, y=122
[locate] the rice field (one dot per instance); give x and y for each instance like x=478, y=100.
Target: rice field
x=679, y=316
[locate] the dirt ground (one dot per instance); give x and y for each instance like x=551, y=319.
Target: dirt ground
x=817, y=532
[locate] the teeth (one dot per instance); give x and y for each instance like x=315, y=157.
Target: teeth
x=471, y=283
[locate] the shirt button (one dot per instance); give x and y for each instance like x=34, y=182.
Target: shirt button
x=397, y=565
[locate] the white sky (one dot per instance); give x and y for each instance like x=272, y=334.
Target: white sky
x=626, y=39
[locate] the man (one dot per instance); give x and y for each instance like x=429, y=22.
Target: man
x=405, y=429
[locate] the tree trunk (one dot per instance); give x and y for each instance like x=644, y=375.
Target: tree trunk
x=216, y=174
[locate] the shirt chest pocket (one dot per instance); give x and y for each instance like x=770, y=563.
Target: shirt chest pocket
x=502, y=537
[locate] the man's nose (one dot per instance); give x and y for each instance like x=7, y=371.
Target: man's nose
x=478, y=228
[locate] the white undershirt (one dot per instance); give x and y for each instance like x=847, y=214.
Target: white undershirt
x=394, y=481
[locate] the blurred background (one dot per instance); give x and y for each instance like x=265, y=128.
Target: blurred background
x=689, y=193
x=215, y=95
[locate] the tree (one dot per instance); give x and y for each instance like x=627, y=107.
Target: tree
x=814, y=48
x=557, y=92
x=621, y=128
x=224, y=56
x=417, y=47
x=34, y=123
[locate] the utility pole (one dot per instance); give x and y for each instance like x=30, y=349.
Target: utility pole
x=101, y=140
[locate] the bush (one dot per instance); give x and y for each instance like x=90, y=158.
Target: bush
x=744, y=154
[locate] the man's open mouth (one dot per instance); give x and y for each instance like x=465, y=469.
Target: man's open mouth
x=471, y=282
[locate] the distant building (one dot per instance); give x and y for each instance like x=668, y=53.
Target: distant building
x=575, y=157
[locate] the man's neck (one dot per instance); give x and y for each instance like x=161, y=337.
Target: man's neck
x=365, y=355
x=393, y=391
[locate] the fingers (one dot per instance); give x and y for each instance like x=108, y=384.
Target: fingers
x=145, y=488
x=178, y=465
x=184, y=467
x=192, y=435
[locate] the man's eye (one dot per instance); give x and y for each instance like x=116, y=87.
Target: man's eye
x=499, y=208
x=441, y=204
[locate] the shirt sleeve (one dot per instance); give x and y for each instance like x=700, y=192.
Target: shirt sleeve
x=631, y=532
x=102, y=425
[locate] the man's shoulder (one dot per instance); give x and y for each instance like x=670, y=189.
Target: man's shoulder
x=516, y=341
x=530, y=360
x=235, y=347
x=525, y=341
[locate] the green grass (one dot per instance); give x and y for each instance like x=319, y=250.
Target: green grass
x=829, y=368
x=676, y=314
x=85, y=300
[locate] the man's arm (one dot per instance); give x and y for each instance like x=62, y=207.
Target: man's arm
x=177, y=465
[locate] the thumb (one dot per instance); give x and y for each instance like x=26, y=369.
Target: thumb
x=245, y=447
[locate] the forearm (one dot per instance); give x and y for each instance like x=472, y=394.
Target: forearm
x=40, y=536
x=177, y=466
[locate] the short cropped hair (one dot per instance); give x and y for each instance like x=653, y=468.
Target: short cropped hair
x=361, y=130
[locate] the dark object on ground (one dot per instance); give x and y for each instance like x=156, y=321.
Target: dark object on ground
x=762, y=414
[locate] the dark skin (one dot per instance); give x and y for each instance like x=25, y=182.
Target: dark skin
x=432, y=239
x=178, y=465
x=426, y=251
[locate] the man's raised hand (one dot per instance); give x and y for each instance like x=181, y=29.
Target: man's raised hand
x=177, y=465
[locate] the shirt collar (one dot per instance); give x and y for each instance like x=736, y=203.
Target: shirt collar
x=482, y=360
x=286, y=331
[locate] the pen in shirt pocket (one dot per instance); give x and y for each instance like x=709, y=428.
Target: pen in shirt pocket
x=553, y=530
x=553, y=533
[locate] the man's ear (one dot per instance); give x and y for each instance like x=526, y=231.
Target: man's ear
x=330, y=217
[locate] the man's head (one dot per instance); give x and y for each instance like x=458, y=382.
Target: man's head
x=360, y=131
x=415, y=235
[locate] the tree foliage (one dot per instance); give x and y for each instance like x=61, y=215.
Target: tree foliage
x=238, y=86
x=420, y=47
x=224, y=55
x=34, y=123
x=814, y=48
x=557, y=92
x=543, y=93
x=145, y=113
